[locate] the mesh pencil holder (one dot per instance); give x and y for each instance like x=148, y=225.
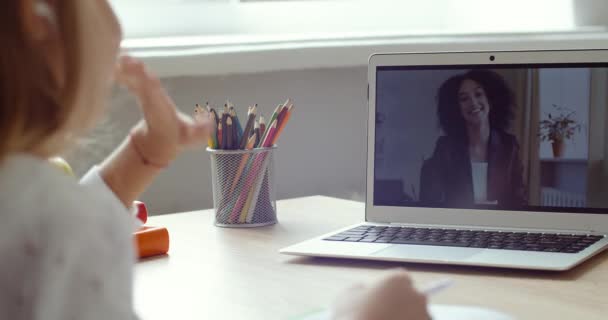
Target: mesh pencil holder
x=243, y=187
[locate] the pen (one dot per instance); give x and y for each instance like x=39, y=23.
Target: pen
x=437, y=286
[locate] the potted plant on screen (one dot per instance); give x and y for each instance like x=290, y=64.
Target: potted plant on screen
x=557, y=127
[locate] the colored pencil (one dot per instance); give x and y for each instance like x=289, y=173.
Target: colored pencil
x=254, y=168
x=283, y=124
x=239, y=171
x=220, y=140
x=213, y=130
x=256, y=132
x=249, y=127
x=224, y=132
x=238, y=127
x=270, y=136
x=229, y=133
x=257, y=186
x=235, y=134
x=245, y=211
x=272, y=118
x=217, y=119
x=262, y=125
x=200, y=114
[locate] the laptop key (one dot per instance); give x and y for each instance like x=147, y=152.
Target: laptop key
x=380, y=240
x=478, y=245
x=335, y=238
x=430, y=243
x=352, y=234
x=353, y=239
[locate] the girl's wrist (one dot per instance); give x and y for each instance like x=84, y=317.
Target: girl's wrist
x=126, y=173
x=144, y=157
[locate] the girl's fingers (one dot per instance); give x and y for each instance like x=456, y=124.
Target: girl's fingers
x=166, y=128
x=156, y=105
x=195, y=133
x=128, y=72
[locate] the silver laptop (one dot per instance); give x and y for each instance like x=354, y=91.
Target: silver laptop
x=493, y=159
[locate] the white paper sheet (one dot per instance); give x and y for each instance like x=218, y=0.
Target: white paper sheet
x=442, y=312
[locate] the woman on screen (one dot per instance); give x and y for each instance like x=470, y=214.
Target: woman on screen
x=476, y=161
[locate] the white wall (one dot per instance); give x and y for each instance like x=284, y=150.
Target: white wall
x=322, y=151
x=568, y=88
x=410, y=127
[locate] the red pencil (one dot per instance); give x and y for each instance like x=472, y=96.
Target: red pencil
x=282, y=115
x=271, y=133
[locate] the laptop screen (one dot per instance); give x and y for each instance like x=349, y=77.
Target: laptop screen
x=513, y=137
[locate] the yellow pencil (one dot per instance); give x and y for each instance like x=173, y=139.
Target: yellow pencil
x=243, y=215
x=239, y=171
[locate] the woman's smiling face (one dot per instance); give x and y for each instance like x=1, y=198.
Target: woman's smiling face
x=473, y=102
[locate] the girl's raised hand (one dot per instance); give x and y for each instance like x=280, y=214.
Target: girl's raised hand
x=164, y=131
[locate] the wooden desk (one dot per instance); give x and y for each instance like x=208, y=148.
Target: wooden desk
x=216, y=273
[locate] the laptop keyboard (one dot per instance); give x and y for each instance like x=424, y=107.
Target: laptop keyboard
x=546, y=242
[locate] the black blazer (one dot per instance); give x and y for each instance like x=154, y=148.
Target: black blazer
x=446, y=179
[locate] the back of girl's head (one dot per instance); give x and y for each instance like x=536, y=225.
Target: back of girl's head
x=36, y=101
x=498, y=93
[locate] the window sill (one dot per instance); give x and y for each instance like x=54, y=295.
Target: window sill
x=220, y=55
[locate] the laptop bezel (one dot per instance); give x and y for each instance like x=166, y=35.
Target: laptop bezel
x=469, y=217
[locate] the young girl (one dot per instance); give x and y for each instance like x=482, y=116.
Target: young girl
x=66, y=247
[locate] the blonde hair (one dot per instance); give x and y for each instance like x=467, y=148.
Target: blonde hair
x=33, y=106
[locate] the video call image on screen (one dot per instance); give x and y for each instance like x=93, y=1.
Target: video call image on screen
x=511, y=138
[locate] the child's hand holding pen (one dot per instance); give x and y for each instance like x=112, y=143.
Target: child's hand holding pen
x=392, y=297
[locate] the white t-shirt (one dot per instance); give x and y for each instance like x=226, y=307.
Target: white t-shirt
x=66, y=249
x=480, y=181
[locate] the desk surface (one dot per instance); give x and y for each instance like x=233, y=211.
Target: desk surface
x=217, y=273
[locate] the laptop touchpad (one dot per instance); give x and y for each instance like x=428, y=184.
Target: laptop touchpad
x=416, y=252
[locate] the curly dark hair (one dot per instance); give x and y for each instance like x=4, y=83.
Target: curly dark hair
x=500, y=98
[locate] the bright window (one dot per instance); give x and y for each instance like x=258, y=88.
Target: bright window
x=323, y=18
